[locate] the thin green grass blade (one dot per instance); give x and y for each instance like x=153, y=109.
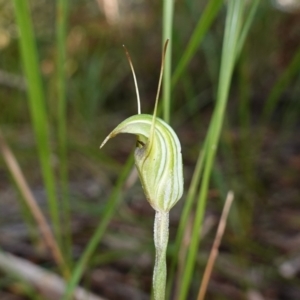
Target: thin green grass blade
x=245, y=153
x=62, y=16
x=37, y=106
x=248, y=22
x=227, y=150
x=112, y=203
x=279, y=87
x=234, y=219
x=212, y=56
x=212, y=8
x=203, y=25
x=208, y=16
x=232, y=31
x=168, y=8
x=291, y=115
x=199, y=166
x=282, y=83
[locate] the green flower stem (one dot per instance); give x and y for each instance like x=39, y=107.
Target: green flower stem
x=161, y=235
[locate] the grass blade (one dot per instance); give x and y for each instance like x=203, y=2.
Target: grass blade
x=168, y=8
x=62, y=15
x=112, y=202
x=247, y=25
x=232, y=31
x=37, y=106
x=281, y=84
x=208, y=16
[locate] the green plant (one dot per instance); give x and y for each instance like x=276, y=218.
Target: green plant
x=61, y=32
x=236, y=30
x=229, y=52
x=37, y=107
x=159, y=164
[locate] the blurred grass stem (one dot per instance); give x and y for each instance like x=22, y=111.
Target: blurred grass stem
x=168, y=8
x=37, y=106
x=62, y=14
x=208, y=16
x=232, y=30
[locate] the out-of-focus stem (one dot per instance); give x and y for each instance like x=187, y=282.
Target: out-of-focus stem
x=161, y=236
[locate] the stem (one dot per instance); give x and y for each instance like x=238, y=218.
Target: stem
x=168, y=8
x=161, y=235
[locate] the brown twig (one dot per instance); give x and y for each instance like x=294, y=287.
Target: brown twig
x=43, y=226
x=215, y=248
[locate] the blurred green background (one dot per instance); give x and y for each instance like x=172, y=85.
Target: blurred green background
x=258, y=156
